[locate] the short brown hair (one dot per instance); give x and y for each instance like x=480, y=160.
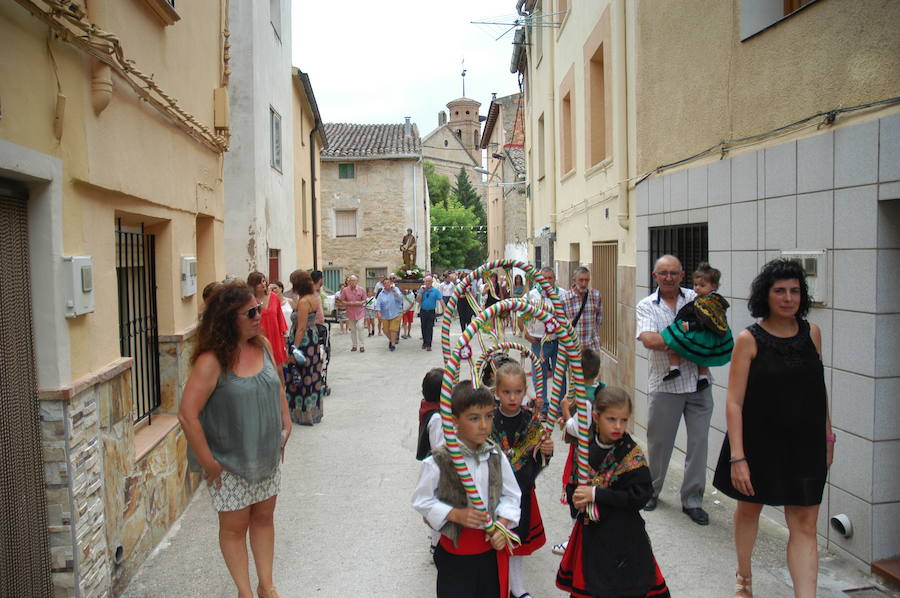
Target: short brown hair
x=590, y=362
x=465, y=396
x=707, y=273
x=301, y=283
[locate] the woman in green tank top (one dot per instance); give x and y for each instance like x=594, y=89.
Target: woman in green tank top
x=236, y=421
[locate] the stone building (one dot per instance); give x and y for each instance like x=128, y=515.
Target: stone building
x=372, y=189
x=112, y=222
x=456, y=143
x=504, y=141
x=798, y=159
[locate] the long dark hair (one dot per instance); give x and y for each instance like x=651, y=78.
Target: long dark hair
x=218, y=330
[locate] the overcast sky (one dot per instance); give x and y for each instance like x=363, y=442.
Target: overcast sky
x=376, y=62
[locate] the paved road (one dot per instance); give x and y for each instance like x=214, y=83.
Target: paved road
x=345, y=527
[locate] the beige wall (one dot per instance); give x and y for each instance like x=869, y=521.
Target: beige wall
x=127, y=161
x=304, y=121
x=828, y=55
x=382, y=194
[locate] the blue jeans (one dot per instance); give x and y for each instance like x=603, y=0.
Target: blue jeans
x=546, y=353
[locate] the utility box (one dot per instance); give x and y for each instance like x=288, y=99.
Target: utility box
x=815, y=265
x=188, y=275
x=78, y=275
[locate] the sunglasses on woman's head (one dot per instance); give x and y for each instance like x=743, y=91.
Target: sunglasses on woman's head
x=254, y=311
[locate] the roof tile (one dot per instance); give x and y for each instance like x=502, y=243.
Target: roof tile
x=347, y=140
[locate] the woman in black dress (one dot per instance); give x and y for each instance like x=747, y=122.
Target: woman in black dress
x=779, y=444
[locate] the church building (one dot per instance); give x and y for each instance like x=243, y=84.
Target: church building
x=456, y=143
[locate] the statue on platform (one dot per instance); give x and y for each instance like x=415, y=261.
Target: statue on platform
x=408, y=248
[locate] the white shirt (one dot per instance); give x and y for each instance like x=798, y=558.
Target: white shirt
x=435, y=512
x=446, y=289
x=537, y=297
x=435, y=430
x=654, y=315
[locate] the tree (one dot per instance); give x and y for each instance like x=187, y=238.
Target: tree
x=438, y=184
x=453, y=236
x=468, y=196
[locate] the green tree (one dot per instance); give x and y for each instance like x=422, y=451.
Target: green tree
x=453, y=236
x=469, y=198
x=438, y=184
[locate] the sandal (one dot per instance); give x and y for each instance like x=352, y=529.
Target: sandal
x=742, y=586
x=560, y=548
x=362, y=349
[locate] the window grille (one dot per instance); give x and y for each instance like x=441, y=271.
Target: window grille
x=333, y=279
x=275, y=136
x=687, y=242
x=604, y=270
x=345, y=223
x=138, y=333
x=346, y=171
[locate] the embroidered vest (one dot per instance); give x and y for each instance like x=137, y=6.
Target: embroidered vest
x=450, y=490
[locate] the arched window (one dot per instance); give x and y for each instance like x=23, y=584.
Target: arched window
x=459, y=133
x=446, y=143
x=476, y=139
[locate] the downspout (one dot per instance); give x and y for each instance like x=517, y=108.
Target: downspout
x=621, y=118
x=312, y=196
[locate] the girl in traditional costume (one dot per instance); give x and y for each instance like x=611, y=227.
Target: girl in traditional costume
x=519, y=434
x=700, y=332
x=609, y=552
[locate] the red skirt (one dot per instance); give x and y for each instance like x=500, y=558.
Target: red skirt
x=570, y=576
x=534, y=537
x=474, y=541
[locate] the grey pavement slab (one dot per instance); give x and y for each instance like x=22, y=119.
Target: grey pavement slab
x=345, y=526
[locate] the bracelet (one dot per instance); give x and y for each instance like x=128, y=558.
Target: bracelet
x=830, y=438
x=738, y=460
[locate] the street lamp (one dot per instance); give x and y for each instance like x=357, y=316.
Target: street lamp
x=482, y=170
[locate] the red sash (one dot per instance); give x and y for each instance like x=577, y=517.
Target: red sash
x=474, y=541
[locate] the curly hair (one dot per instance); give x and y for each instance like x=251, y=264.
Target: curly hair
x=777, y=269
x=218, y=332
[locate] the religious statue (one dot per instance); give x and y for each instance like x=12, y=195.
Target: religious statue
x=408, y=248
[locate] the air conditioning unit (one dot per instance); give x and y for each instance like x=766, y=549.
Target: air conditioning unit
x=815, y=265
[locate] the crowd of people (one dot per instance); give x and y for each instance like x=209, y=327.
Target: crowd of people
x=259, y=367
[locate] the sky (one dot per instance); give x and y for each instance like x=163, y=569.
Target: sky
x=379, y=61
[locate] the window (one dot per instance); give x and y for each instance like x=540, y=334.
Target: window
x=542, y=161
x=459, y=133
x=332, y=278
x=575, y=254
x=687, y=242
x=604, y=269
x=275, y=17
x=275, y=138
x=373, y=275
x=446, y=143
x=475, y=138
x=566, y=141
x=537, y=257
x=758, y=15
x=597, y=108
x=346, y=171
x=345, y=223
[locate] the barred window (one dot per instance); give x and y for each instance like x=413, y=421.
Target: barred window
x=687, y=242
x=604, y=269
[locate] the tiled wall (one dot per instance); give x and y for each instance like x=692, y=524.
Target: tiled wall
x=837, y=190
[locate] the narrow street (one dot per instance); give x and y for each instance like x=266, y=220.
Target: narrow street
x=345, y=527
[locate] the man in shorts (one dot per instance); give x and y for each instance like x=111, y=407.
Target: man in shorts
x=389, y=308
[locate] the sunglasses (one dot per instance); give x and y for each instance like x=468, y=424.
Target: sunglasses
x=254, y=311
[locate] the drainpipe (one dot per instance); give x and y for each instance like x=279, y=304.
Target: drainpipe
x=312, y=197
x=621, y=116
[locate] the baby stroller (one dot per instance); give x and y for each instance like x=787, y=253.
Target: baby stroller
x=324, y=331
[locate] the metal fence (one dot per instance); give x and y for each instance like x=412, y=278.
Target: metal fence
x=138, y=332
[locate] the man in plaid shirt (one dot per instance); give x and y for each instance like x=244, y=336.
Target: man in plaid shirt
x=586, y=321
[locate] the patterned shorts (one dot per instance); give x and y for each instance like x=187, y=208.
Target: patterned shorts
x=237, y=493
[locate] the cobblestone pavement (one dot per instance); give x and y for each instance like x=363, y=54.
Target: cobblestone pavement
x=345, y=527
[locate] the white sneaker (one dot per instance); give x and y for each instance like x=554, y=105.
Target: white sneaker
x=560, y=548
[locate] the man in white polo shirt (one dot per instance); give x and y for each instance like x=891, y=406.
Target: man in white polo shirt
x=672, y=399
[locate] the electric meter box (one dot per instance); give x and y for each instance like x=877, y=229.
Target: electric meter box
x=78, y=281
x=815, y=265
x=188, y=275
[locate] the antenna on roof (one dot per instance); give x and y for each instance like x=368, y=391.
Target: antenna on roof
x=464, y=76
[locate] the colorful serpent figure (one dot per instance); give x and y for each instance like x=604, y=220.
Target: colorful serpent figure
x=554, y=322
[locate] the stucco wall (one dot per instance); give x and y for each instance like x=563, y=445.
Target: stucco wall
x=303, y=200
x=259, y=199
x=692, y=64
